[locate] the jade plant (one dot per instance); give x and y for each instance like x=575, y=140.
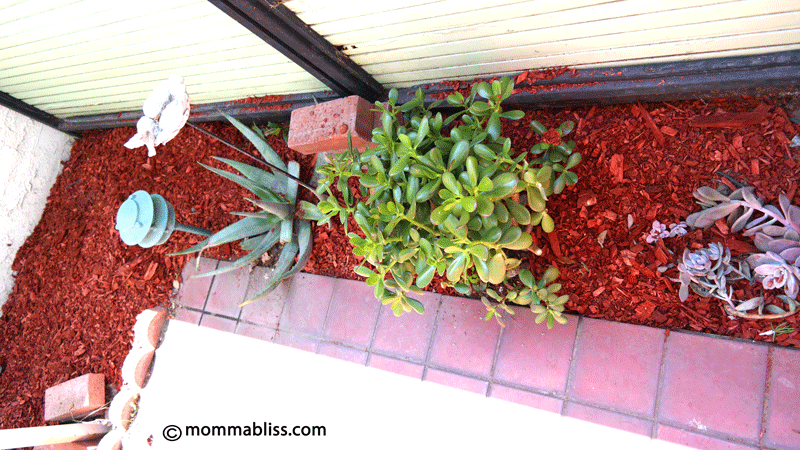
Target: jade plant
x=277, y=221
x=776, y=234
x=445, y=196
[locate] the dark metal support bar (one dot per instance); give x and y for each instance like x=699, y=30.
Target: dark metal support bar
x=33, y=112
x=685, y=80
x=279, y=27
x=751, y=75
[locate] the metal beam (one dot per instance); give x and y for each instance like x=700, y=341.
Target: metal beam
x=276, y=109
x=32, y=112
x=722, y=77
x=685, y=80
x=282, y=29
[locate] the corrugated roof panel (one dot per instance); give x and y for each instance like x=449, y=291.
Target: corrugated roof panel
x=91, y=58
x=453, y=39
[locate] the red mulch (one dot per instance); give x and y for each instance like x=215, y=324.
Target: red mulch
x=79, y=288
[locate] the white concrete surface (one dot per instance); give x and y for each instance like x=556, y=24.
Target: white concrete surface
x=30, y=160
x=205, y=378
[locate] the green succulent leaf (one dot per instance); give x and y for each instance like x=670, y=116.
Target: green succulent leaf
x=493, y=126
x=497, y=269
x=537, y=127
x=547, y=223
x=503, y=185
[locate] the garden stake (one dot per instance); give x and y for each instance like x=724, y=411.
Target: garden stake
x=321, y=197
x=149, y=220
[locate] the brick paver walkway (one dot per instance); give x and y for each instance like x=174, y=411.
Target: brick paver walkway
x=692, y=389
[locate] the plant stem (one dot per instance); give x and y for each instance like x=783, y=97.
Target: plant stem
x=417, y=224
x=736, y=313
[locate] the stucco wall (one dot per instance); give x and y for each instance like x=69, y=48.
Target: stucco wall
x=30, y=160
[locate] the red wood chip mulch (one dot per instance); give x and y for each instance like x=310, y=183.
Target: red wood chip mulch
x=79, y=288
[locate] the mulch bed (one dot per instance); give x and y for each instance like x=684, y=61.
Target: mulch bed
x=79, y=288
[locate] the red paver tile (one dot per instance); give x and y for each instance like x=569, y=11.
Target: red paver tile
x=410, y=334
x=533, y=356
x=227, y=292
x=266, y=310
x=295, y=341
x=608, y=418
x=353, y=312
x=457, y=381
x=307, y=303
x=617, y=365
x=714, y=384
x=397, y=366
x=255, y=331
x=343, y=353
x=783, y=417
x=531, y=399
x=187, y=315
x=194, y=291
x=682, y=437
x=218, y=323
x=463, y=340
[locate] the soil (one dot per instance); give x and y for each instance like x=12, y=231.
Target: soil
x=79, y=288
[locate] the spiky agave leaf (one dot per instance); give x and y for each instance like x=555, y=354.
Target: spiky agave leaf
x=303, y=252
x=247, y=227
x=280, y=209
x=291, y=198
x=285, y=261
x=267, y=242
x=256, y=175
x=269, y=154
x=261, y=191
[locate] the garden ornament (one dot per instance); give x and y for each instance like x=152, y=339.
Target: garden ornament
x=165, y=113
x=149, y=220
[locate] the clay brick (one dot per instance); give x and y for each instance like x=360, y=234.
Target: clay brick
x=77, y=398
x=324, y=127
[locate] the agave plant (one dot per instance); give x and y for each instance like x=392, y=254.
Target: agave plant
x=276, y=221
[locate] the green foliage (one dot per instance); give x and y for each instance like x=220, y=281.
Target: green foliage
x=276, y=222
x=273, y=129
x=445, y=196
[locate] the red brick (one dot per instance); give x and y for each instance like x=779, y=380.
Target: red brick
x=397, y=366
x=353, y=312
x=77, y=398
x=532, y=355
x=531, y=399
x=714, y=385
x=343, y=353
x=692, y=440
x=407, y=336
x=617, y=365
x=783, y=426
x=457, y=381
x=608, y=418
x=324, y=127
x=464, y=341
